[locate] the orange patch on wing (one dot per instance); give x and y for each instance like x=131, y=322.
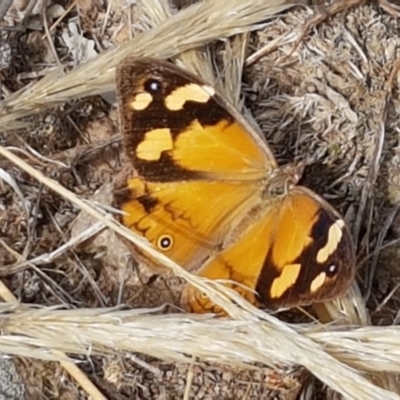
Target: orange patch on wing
x=297, y=215
x=241, y=262
x=178, y=209
x=226, y=149
x=137, y=187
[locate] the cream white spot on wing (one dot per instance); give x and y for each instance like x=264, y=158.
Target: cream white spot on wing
x=318, y=282
x=285, y=281
x=154, y=143
x=141, y=101
x=334, y=237
x=190, y=92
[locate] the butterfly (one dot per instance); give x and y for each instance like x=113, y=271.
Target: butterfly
x=204, y=188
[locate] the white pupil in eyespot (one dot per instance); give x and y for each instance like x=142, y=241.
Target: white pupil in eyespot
x=165, y=242
x=154, y=86
x=332, y=269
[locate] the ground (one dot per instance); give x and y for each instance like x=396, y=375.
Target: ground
x=330, y=102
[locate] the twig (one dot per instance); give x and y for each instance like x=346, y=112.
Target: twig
x=374, y=165
x=371, y=270
x=189, y=382
x=28, y=11
x=48, y=34
x=70, y=367
x=49, y=257
x=59, y=19
x=4, y=6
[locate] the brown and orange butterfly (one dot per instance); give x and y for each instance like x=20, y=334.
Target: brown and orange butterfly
x=204, y=188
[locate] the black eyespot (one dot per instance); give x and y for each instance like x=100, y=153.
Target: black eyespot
x=152, y=86
x=203, y=296
x=165, y=242
x=332, y=270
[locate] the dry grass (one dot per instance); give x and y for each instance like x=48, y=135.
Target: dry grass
x=191, y=28
x=351, y=357
x=331, y=353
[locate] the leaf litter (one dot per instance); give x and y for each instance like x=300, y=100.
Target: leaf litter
x=333, y=101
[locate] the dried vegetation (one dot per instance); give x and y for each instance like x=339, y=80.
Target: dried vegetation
x=332, y=101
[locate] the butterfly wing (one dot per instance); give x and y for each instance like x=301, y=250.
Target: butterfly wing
x=185, y=220
x=197, y=163
x=298, y=252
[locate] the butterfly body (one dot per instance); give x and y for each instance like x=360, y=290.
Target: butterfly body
x=205, y=189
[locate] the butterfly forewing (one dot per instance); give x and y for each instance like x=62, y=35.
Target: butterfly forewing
x=176, y=127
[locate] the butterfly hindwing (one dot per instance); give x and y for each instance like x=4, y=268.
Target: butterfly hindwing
x=298, y=252
x=175, y=218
